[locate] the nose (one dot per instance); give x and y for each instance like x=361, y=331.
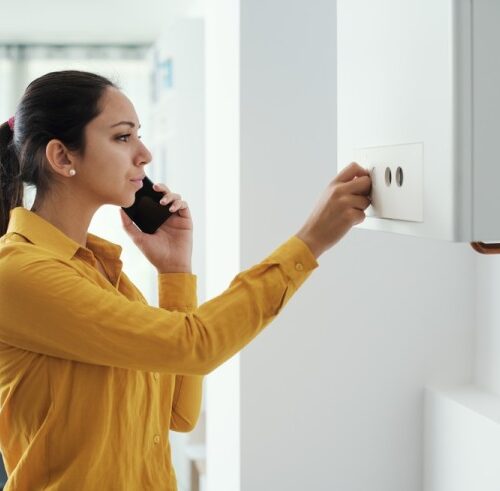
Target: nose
x=143, y=154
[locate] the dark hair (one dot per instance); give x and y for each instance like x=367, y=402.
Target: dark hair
x=57, y=105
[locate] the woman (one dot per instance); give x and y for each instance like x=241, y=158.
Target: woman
x=92, y=378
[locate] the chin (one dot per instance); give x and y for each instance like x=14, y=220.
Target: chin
x=124, y=200
x=128, y=202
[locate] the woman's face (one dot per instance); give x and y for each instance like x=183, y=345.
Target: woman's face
x=114, y=154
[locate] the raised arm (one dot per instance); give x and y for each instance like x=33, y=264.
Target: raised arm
x=47, y=307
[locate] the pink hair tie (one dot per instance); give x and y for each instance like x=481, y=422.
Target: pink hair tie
x=11, y=123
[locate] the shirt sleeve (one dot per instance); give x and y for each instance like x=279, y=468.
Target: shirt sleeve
x=48, y=307
x=178, y=292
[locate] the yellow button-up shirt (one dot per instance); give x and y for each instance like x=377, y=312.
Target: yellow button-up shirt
x=92, y=378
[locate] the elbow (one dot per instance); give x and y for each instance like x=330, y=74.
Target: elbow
x=182, y=424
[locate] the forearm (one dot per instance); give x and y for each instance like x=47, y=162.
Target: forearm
x=186, y=404
x=178, y=292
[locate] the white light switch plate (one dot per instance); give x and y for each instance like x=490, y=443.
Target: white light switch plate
x=389, y=199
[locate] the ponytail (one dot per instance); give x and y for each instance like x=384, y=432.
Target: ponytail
x=57, y=105
x=11, y=183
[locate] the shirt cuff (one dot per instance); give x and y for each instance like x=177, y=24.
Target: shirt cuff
x=177, y=291
x=295, y=258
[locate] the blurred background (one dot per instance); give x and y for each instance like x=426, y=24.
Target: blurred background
x=154, y=51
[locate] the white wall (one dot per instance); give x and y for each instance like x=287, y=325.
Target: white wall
x=332, y=391
x=462, y=437
x=223, y=222
x=488, y=321
x=462, y=440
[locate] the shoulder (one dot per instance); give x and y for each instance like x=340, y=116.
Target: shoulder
x=16, y=250
x=19, y=257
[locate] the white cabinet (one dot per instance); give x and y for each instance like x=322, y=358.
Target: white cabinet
x=418, y=86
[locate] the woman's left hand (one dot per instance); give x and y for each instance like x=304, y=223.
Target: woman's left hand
x=170, y=248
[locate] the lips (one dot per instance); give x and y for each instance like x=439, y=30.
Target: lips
x=140, y=178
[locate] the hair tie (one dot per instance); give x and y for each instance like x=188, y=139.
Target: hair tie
x=11, y=123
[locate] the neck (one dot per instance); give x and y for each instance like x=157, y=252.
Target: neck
x=68, y=215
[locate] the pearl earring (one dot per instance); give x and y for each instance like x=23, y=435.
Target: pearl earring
x=72, y=172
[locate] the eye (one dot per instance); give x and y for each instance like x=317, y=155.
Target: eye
x=124, y=138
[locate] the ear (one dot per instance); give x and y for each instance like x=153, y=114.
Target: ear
x=59, y=157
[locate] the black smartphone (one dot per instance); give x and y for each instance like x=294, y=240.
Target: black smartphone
x=146, y=212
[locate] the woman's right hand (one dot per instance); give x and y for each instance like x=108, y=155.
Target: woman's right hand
x=340, y=207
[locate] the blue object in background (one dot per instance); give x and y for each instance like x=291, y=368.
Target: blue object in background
x=162, y=76
x=166, y=72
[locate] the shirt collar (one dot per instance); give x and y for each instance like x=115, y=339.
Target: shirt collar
x=42, y=233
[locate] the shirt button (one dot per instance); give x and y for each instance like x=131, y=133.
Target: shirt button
x=156, y=375
x=299, y=267
x=156, y=439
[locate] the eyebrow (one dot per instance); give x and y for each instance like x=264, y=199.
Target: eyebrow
x=129, y=123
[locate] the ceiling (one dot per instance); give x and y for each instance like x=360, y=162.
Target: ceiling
x=85, y=21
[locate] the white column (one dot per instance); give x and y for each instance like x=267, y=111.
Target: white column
x=222, y=222
x=332, y=391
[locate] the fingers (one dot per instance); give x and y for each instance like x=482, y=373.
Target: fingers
x=161, y=187
x=176, y=202
x=174, y=199
x=359, y=202
x=357, y=216
x=350, y=172
x=169, y=198
x=358, y=185
x=178, y=205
